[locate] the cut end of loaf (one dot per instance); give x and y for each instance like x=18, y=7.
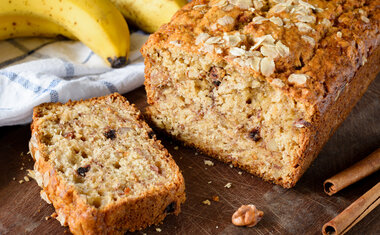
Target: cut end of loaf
x=110, y=159
x=243, y=119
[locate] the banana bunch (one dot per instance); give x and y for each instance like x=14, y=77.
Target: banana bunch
x=149, y=15
x=97, y=23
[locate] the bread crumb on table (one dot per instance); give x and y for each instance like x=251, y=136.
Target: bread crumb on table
x=215, y=198
x=206, y=202
x=26, y=178
x=208, y=163
x=228, y=185
x=158, y=230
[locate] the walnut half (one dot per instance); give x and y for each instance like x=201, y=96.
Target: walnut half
x=247, y=215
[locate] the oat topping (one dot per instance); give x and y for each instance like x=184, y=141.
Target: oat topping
x=269, y=50
x=201, y=38
x=278, y=82
x=303, y=27
x=365, y=19
x=339, y=34
x=258, y=4
x=276, y=20
x=261, y=57
x=199, y=6
x=309, y=40
x=214, y=27
x=267, y=66
x=326, y=22
x=298, y=79
x=236, y=51
x=226, y=20
x=221, y=3
x=232, y=40
x=259, y=20
x=278, y=8
x=282, y=49
x=266, y=38
x=243, y=4
x=214, y=40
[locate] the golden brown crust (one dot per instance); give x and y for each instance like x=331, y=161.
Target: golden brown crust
x=339, y=54
x=329, y=63
x=130, y=214
x=348, y=96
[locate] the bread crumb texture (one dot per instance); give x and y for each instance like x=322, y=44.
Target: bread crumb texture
x=97, y=160
x=250, y=82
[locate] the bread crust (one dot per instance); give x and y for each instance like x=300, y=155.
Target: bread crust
x=340, y=66
x=116, y=218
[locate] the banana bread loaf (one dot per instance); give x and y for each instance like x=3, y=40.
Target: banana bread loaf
x=101, y=166
x=261, y=84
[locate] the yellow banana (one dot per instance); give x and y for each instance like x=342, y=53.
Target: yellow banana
x=97, y=23
x=149, y=15
x=13, y=26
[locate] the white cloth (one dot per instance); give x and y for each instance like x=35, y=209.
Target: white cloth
x=36, y=70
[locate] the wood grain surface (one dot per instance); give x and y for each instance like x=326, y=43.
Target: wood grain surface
x=300, y=210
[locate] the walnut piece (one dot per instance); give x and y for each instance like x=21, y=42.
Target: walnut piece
x=247, y=215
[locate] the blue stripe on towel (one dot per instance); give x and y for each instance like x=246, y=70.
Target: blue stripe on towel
x=21, y=57
x=88, y=57
x=69, y=68
x=38, y=90
x=111, y=87
x=53, y=96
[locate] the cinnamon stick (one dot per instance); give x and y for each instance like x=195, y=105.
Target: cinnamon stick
x=353, y=213
x=353, y=174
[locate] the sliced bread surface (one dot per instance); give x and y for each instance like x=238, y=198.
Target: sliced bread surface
x=101, y=166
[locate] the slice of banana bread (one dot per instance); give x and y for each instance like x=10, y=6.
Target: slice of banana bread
x=261, y=84
x=101, y=166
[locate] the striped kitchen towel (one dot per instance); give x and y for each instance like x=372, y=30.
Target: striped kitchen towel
x=37, y=70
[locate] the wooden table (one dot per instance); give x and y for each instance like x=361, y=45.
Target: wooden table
x=300, y=210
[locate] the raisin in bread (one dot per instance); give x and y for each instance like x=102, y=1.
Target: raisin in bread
x=101, y=166
x=261, y=84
